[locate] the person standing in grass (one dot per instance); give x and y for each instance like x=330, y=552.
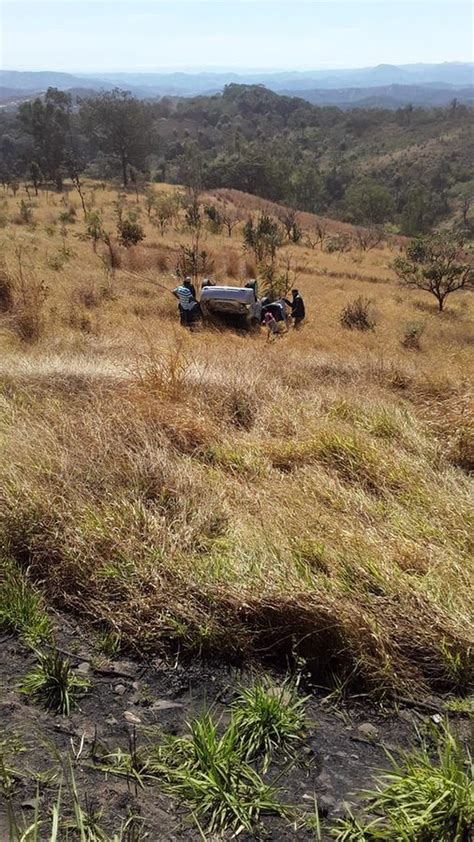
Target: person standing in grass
x=186, y=301
x=298, y=311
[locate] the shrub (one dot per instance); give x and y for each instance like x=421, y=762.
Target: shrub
x=130, y=232
x=68, y=216
x=357, y=315
x=412, y=335
x=338, y=243
x=26, y=212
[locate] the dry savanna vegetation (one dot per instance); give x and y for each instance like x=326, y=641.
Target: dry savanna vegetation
x=220, y=494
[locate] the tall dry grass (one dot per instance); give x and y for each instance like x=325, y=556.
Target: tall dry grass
x=310, y=498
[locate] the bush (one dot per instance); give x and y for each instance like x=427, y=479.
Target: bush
x=68, y=216
x=411, y=337
x=357, y=315
x=338, y=243
x=130, y=232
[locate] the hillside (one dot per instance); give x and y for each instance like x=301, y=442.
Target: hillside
x=182, y=513
x=408, y=169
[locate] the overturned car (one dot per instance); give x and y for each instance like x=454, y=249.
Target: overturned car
x=236, y=306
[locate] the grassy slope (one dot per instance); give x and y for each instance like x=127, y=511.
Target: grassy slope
x=232, y=495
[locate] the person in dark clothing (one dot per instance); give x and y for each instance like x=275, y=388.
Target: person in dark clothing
x=297, y=308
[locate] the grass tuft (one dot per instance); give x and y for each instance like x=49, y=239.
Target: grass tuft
x=21, y=607
x=420, y=799
x=268, y=717
x=53, y=683
x=209, y=773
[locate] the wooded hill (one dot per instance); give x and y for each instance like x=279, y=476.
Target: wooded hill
x=408, y=169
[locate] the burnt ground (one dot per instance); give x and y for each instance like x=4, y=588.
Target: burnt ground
x=343, y=748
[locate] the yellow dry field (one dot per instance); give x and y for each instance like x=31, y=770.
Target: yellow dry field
x=228, y=495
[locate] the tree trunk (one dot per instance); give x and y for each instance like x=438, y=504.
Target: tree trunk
x=124, y=171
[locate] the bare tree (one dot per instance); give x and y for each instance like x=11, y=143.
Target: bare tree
x=230, y=217
x=369, y=238
x=290, y=220
x=316, y=236
x=437, y=264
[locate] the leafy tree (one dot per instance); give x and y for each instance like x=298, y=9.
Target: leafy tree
x=264, y=238
x=420, y=211
x=437, y=264
x=130, y=232
x=48, y=122
x=119, y=125
x=165, y=211
x=215, y=219
x=368, y=202
x=308, y=188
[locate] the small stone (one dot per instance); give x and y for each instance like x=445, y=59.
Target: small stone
x=132, y=717
x=84, y=667
x=31, y=803
x=325, y=803
x=369, y=731
x=120, y=689
x=136, y=685
x=110, y=720
x=165, y=704
x=126, y=668
x=436, y=718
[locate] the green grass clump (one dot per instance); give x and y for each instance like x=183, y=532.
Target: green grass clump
x=53, y=683
x=21, y=607
x=268, y=717
x=419, y=799
x=209, y=773
x=214, y=771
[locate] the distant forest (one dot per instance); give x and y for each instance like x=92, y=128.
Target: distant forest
x=408, y=170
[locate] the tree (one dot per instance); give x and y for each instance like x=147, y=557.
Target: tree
x=369, y=238
x=230, y=218
x=368, y=202
x=437, y=264
x=120, y=126
x=48, y=123
x=263, y=238
x=36, y=175
x=290, y=220
x=420, y=211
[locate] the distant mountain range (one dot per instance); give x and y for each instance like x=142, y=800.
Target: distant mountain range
x=386, y=85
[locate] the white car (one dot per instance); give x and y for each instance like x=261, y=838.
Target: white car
x=238, y=305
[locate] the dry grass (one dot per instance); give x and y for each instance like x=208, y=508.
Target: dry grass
x=228, y=496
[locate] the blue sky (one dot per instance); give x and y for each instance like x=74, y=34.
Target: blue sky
x=92, y=35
